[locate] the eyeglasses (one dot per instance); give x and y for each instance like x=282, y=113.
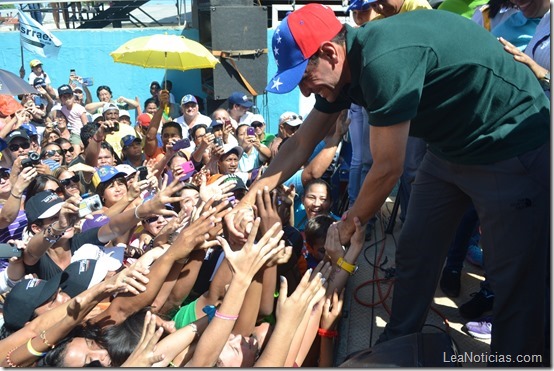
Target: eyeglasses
x=52, y=153
x=153, y=219
x=292, y=128
x=59, y=191
x=65, y=182
x=15, y=146
x=70, y=150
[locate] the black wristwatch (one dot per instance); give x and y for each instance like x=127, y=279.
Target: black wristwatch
x=545, y=81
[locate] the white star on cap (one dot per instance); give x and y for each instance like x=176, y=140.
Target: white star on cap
x=276, y=84
x=276, y=51
x=279, y=39
x=277, y=31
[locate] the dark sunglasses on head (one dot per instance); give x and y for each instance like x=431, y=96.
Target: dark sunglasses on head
x=293, y=117
x=70, y=150
x=15, y=147
x=65, y=182
x=52, y=152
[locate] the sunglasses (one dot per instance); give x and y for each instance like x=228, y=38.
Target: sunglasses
x=59, y=191
x=65, y=182
x=53, y=152
x=256, y=124
x=153, y=219
x=4, y=175
x=15, y=147
x=70, y=150
x=292, y=128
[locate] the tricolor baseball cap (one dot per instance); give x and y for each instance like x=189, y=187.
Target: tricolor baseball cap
x=297, y=38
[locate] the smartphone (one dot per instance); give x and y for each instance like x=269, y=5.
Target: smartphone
x=180, y=144
x=228, y=123
x=250, y=131
x=218, y=141
x=143, y=172
x=8, y=251
x=72, y=74
x=37, y=100
x=188, y=170
x=88, y=81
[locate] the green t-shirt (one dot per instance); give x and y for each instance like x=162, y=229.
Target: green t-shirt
x=268, y=139
x=465, y=8
x=465, y=96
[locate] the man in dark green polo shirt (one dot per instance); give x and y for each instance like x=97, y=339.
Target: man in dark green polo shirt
x=486, y=120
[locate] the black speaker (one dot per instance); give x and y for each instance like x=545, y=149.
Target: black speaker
x=208, y=3
x=414, y=350
x=240, y=31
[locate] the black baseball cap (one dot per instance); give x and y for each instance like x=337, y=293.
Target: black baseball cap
x=17, y=134
x=65, y=89
x=25, y=297
x=43, y=205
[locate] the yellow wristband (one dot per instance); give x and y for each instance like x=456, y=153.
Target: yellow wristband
x=32, y=350
x=343, y=264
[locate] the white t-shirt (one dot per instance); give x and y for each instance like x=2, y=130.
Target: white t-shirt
x=74, y=123
x=33, y=76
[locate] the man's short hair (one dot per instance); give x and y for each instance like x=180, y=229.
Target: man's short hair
x=173, y=124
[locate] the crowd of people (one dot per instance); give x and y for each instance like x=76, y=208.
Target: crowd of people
x=155, y=234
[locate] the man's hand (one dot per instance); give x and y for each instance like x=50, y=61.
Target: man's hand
x=239, y=223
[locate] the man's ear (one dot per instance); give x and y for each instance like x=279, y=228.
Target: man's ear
x=328, y=50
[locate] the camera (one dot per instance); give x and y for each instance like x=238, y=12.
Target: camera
x=250, y=131
x=32, y=160
x=89, y=205
x=218, y=141
x=109, y=130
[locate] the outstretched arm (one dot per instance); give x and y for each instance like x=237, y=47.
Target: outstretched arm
x=388, y=148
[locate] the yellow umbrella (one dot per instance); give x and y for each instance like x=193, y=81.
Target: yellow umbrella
x=165, y=51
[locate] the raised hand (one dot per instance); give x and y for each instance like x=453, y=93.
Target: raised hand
x=333, y=247
x=266, y=204
x=247, y=261
x=131, y=279
x=156, y=205
x=144, y=354
x=332, y=309
x=217, y=190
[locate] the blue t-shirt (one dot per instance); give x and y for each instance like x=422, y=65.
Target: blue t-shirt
x=517, y=29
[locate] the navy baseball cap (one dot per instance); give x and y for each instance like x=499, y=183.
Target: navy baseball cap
x=240, y=99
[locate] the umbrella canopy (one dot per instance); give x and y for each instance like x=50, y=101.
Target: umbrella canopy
x=170, y=52
x=8, y=105
x=12, y=84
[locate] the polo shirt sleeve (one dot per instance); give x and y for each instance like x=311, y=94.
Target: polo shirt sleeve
x=392, y=84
